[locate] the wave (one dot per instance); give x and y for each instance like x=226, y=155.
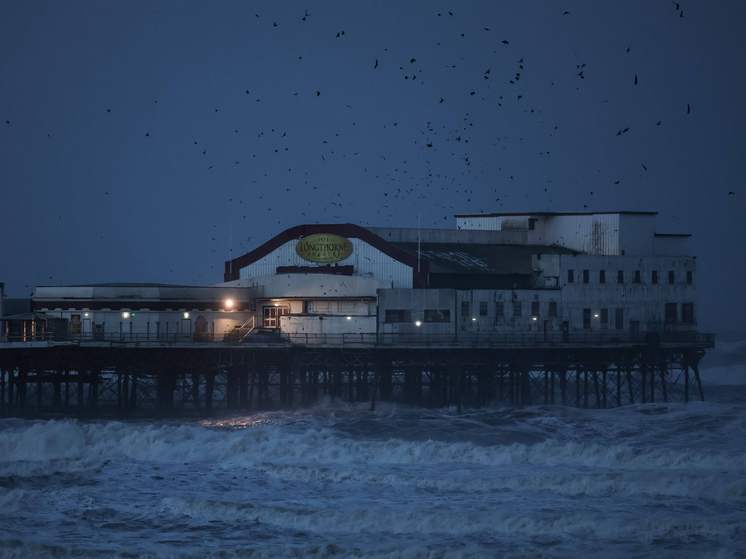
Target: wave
x=65, y=445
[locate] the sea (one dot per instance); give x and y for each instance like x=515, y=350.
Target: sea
x=337, y=480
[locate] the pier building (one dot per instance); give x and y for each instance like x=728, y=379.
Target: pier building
x=503, y=307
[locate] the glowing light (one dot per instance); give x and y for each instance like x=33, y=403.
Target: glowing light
x=186, y=315
x=228, y=303
x=595, y=315
x=277, y=304
x=473, y=318
x=534, y=318
x=418, y=323
x=125, y=315
x=349, y=318
x=86, y=314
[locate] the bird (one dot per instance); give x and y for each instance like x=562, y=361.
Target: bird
x=643, y=166
x=505, y=42
x=318, y=93
x=635, y=79
x=108, y=110
x=147, y=134
x=688, y=109
x=658, y=123
x=731, y=193
x=376, y=66
x=566, y=13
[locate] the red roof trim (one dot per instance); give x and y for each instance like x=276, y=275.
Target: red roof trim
x=348, y=230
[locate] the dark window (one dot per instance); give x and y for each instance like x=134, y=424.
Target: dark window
x=654, y=277
x=620, y=276
x=687, y=313
x=531, y=224
x=689, y=278
x=671, y=313
x=516, y=308
x=75, y=324
x=499, y=309
x=398, y=315
x=483, y=308
x=553, y=308
x=464, y=308
x=671, y=277
x=604, y=316
x=570, y=276
x=602, y=276
x=586, y=276
x=437, y=316
x=586, y=319
x=619, y=319
x=534, y=308
x=637, y=276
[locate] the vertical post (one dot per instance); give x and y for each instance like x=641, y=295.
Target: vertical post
x=209, y=387
x=38, y=392
x=563, y=385
x=603, y=386
x=663, y=368
x=585, y=389
x=630, y=386
x=195, y=390
x=618, y=387
x=686, y=382
x=577, y=388
x=124, y=400
x=695, y=368
x=643, y=389
x=546, y=387
x=81, y=397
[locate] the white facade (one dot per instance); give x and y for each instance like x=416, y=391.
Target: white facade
x=368, y=261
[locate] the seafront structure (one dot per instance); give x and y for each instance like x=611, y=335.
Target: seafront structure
x=586, y=309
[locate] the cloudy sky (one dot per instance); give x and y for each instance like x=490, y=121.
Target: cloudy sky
x=138, y=139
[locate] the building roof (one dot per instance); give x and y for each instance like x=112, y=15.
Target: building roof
x=460, y=258
x=551, y=214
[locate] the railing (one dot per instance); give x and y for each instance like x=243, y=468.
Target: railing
x=462, y=339
x=246, y=329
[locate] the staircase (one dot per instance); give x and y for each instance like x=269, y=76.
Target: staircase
x=238, y=334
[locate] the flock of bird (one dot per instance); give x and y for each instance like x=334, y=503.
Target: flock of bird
x=445, y=169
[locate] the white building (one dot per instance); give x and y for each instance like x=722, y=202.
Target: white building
x=501, y=273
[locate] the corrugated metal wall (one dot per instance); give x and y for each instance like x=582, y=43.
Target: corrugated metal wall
x=369, y=262
x=637, y=232
x=487, y=223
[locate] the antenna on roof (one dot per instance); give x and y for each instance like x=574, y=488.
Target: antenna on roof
x=230, y=244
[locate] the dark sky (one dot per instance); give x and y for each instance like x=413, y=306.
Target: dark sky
x=133, y=148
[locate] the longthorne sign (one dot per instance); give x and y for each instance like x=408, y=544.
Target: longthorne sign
x=323, y=248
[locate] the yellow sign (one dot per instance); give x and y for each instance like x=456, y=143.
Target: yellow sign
x=324, y=248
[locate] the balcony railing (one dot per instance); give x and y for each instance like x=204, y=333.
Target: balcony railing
x=273, y=337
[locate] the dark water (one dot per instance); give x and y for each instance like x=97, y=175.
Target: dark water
x=652, y=480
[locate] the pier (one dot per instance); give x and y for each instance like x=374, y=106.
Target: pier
x=188, y=376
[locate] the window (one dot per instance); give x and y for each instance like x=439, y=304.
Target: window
x=604, y=316
x=464, y=308
x=75, y=324
x=602, y=276
x=534, y=308
x=687, y=313
x=483, y=308
x=586, y=276
x=586, y=319
x=570, y=276
x=689, y=278
x=438, y=315
x=654, y=277
x=516, y=308
x=671, y=314
x=553, y=308
x=398, y=315
x=637, y=276
x=619, y=319
x=671, y=277
x=620, y=276
x=499, y=309
x=531, y=224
